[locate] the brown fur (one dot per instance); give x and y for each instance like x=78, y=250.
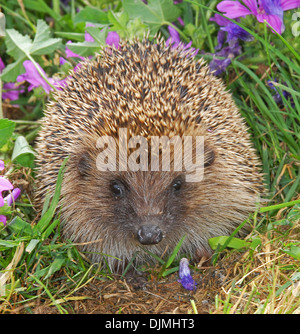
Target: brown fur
x=152, y=90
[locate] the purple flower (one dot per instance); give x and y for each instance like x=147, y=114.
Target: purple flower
x=9, y=199
x=2, y=66
x=174, y=38
x=175, y=41
x=4, y=186
x=180, y=20
x=269, y=10
x=234, y=32
x=229, y=52
x=218, y=66
x=87, y=36
x=277, y=97
x=35, y=80
x=70, y=53
x=113, y=39
x=11, y=91
x=185, y=276
x=62, y=61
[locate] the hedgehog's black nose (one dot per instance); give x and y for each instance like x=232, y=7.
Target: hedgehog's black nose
x=149, y=234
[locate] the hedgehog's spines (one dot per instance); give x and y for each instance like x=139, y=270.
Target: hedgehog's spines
x=151, y=89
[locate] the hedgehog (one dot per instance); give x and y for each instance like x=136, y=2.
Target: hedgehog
x=149, y=89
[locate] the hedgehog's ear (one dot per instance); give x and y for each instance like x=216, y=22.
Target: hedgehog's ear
x=84, y=164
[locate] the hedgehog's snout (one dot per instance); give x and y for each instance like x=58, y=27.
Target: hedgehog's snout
x=149, y=234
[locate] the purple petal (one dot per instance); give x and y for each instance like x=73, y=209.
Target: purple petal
x=70, y=53
x=252, y=5
x=230, y=51
x=3, y=220
x=221, y=39
x=217, y=66
x=235, y=32
x=5, y=184
x=1, y=165
x=276, y=23
x=273, y=20
x=272, y=7
x=62, y=61
x=289, y=4
x=180, y=20
x=185, y=276
x=87, y=36
x=12, y=91
x=174, y=38
x=233, y=9
x=33, y=77
x=220, y=20
x=2, y=66
x=113, y=39
x=9, y=199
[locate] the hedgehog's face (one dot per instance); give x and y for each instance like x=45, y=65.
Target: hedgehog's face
x=148, y=205
x=144, y=207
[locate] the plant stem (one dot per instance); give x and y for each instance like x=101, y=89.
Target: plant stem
x=210, y=42
x=41, y=73
x=279, y=206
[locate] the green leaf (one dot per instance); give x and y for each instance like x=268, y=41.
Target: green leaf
x=21, y=48
x=32, y=244
x=6, y=130
x=170, y=271
x=43, y=223
x=92, y=15
x=99, y=35
x=233, y=243
x=74, y=36
x=156, y=13
x=40, y=6
x=294, y=214
x=85, y=49
x=50, y=229
x=5, y=210
x=174, y=253
x=43, y=44
x=255, y=242
x=11, y=72
x=18, y=225
x=294, y=251
x=8, y=243
x=17, y=44
x=119, y=21
x=23, y=153
x=55, y=266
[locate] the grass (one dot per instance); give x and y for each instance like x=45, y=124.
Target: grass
x=40, y=272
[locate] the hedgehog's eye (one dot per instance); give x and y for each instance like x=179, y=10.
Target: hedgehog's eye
x=176, y=185
x=117, y=189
